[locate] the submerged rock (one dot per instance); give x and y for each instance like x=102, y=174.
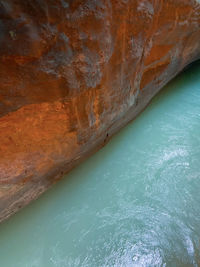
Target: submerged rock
x=72, y=73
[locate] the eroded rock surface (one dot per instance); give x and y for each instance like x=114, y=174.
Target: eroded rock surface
x=73, y=72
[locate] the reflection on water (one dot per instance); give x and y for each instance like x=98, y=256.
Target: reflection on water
x=135, y=203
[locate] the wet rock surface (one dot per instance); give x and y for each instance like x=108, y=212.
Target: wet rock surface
x=72, y=73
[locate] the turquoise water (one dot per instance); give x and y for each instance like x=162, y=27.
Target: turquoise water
x=134, y=203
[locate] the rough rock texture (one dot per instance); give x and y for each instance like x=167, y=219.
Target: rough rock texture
x=72, y=72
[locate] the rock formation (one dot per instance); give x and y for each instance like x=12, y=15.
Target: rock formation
x=73, y=72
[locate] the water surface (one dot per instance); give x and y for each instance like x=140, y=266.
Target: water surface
x=134, y=203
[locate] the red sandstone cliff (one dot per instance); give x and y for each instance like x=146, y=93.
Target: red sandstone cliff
x=73, y=72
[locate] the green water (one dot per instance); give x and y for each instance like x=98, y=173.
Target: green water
x=134, y=203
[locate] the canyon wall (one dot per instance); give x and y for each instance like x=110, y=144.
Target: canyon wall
x=73, y=72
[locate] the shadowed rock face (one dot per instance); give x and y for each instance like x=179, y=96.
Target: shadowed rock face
x=72, y=72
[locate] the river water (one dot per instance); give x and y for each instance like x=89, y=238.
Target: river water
x=134, y=203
